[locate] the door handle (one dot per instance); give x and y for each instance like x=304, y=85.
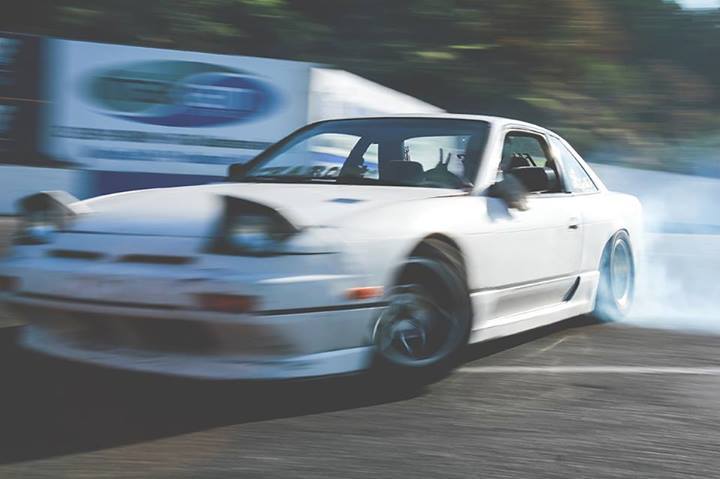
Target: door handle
x=574, y=224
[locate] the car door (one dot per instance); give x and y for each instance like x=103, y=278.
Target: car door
x=597, y=219
x=527, y=259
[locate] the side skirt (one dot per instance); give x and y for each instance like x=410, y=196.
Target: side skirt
x=582, y=301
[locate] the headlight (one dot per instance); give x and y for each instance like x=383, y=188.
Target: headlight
x=43, y=214
x=255, y=233
x=249, y=228
x=36, y=229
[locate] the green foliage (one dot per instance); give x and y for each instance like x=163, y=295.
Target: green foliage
x=626, y=71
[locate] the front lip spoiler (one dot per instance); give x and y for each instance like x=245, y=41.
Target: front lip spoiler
x=321, y=309
x=315, y=365
x=165, y=307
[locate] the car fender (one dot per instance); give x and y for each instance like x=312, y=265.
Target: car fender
x=380, y=241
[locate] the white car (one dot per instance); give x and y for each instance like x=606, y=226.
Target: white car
x=388, y=241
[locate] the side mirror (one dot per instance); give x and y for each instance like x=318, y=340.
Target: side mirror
x=511, y=191
x=236, y=171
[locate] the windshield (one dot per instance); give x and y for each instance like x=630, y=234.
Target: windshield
x=439, y=153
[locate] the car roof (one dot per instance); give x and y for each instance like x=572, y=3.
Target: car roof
x=494, y=120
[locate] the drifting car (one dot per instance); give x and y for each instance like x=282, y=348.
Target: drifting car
x=390, y=241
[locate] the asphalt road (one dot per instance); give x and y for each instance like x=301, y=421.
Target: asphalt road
x=7, y=227
x=574, y=400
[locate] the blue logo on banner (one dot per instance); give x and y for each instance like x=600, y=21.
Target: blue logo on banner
x=179, y=93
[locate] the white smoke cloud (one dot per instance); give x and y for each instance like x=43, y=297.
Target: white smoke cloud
x=677, y=284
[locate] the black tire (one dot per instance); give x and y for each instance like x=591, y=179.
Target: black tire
x=616, y=290
x=420, y=334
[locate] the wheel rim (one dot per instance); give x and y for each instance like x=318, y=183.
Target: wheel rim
x=621, y=270
x=413, y=329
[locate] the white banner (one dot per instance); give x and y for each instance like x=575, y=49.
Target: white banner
x=122, y=108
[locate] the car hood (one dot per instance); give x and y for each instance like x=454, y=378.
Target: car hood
x=195, y=210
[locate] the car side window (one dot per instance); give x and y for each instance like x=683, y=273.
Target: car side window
x=522, y=149
x=576, y=178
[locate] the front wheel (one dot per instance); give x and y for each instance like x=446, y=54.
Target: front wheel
x=616, y=290
x=426, y=323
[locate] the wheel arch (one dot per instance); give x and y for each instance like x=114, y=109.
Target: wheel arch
x=427, y=249
x=436, y=261
x=426, y=246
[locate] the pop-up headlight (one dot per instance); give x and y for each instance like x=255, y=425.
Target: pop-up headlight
x=249, y=228
x=42, y=214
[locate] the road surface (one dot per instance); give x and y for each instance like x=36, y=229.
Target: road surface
x=574, y=400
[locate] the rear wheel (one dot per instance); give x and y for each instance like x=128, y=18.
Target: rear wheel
x=616, y=290
x=426, y=323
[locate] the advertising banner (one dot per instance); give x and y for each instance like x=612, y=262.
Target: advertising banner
x=132, y=109
x=21, y=98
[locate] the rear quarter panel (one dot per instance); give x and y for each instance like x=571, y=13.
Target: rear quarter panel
x=604, y=214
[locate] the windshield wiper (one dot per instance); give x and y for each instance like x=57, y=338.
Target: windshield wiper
x=357, y=180
x=284, y=179
x=343, y=180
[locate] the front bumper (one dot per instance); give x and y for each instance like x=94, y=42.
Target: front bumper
x=147, y=317
x=291, y=345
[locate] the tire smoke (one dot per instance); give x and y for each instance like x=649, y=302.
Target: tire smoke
x=677, y=285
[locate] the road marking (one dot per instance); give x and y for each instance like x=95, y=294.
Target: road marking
x=698, y=371
x=548, y=348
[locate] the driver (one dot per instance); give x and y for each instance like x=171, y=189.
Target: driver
x=470, y=165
